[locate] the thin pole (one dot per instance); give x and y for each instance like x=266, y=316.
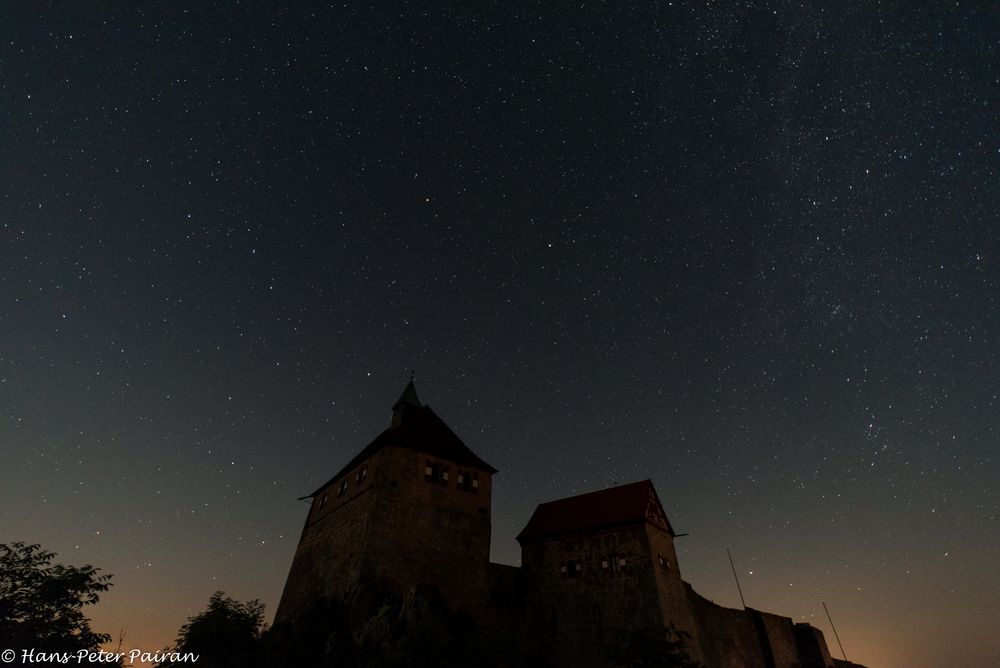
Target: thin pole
x=834, y=631
x=738, y=588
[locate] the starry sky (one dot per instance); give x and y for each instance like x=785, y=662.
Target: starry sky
x=745, y=249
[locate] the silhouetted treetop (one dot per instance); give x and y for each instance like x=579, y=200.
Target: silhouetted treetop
x=41, y=602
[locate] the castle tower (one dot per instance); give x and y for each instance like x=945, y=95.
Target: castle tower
x=601, y=562
x=412, y=508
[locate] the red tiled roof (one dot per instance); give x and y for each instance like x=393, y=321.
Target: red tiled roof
x=615, y=506
x=420, y=429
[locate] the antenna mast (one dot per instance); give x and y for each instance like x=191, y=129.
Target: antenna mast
x=738, y=588
x=834, y=631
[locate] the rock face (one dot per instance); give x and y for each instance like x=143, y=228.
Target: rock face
x=398, y=544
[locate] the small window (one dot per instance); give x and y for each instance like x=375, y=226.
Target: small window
x=604, y=563
x=444, y=476
x=475, y=482
x=572, y=568
x=616, y=562
x=664, y=562
x=323, y=500
x=362, y=474
x=343, y=487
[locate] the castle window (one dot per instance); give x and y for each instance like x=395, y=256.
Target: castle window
x=621, y=562
x=362, y=474
x=343, y=488
x=617, y=562
x=475, y=482
x=572, y=568
x=323, y=500
x=444, y=476
x=604, y=563
x=664, y=562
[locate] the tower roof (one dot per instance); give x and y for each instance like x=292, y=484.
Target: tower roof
x=407, y=402
x=416, y=427
x=408, y=397
x=634, y=503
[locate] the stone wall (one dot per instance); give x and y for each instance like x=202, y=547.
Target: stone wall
x=812, y=647
x=431, y=531
x=778, y=639
x=750, y=638
x=674, y=605
x=329, y=560
x=729, y=638
x=383, y=521
x=583, y=589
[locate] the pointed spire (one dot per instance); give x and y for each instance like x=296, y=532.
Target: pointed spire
x=408, y=400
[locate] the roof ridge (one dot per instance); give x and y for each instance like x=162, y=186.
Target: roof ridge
x=599, y=509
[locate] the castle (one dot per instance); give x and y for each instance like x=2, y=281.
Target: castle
x=413, y=509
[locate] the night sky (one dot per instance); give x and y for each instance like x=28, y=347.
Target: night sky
x=747, y=250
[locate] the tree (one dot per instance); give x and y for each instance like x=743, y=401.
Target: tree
x=41, y=604
x=227, y=634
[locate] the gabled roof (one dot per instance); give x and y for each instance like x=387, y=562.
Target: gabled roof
x=419, y=429
x=634, y=503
